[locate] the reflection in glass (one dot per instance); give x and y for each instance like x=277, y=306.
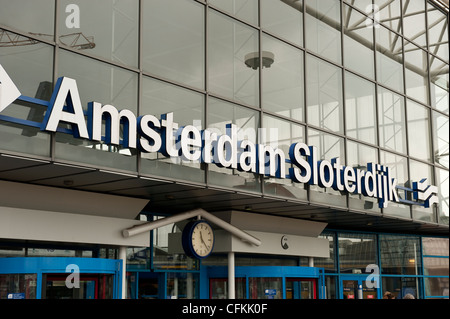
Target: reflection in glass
x=358, y=155
x=231, y=46
x=419, y=139
x=281, y=134
x=105, y=84
x=358, y=43
x=241, y=9
x=173, y=40
x=35, y=17
x=416, y=72
x=439, y=77
x=323, y=28
x=188, y=107
x=30, y=67
x=360, y=109
x=391, y=120
x=419, y=171
x=221, y=113
x=356, y=251
x=399, y=170
x=401, y=286
x=400, y=255
x=265, y=288
x=328, y=147
x=414, y=22
x=283, y=81
x=283, y=18
x=441, y=139
x=438, y=32
x=108, y=28
x=389, y=13
x=324, y=98
x=442, y=182
x=435, y=246
x=389, y=58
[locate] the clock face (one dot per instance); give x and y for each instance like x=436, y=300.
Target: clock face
x=202, y=239
x=198, y=239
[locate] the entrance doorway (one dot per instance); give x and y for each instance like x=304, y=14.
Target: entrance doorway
x=92, y=286
x=267, y=282
x=356, y=288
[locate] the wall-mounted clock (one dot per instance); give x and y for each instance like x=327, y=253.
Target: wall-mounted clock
x=198, y=239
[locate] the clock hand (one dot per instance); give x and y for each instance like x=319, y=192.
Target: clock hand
x=201, y=238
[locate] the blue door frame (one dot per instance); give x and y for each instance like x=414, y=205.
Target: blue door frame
x=49, y=265
x=264, y=271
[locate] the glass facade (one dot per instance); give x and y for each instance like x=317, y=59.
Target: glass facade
x=343, y=73
x=365, y=81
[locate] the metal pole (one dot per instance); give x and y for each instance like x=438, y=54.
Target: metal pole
x=135, y=230
x=123, y=257
x=311, y=262
x=231, y=276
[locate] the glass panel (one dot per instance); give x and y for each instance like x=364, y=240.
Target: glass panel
x=328, y=147
x=148, y=285
x=388, y=13
x=358, y=43
x=328, y=263
x=438, y=32
x=173, y=40
x=221, y=113
x=330, y=286
x=350, y=289
x=356, y=252
x=105, y=84
x=435, y=266
x=92, y=286
x=400, y=255
x=414, y=21
x=300, y=288
x=281, y=134
x=435, y=246
x=401, y=288
x=241, y=9
x=442, y=182
x=399, y=170
x=30, y=67
x=283, y=81
x=391, y=121
x=233, y=59
x=37, y=19
x=363, y=5
x=324, y=98
x=419, y=139
x=418, y=171
x=219, y=288
x=389, y=57
x=441, y=139
x=416, y=72
x=182, y=285
x=108, y=29
x=283, y=18
x=18, y=286
x=358, y=155
x=323, y=28
x=265, y=288
x=360, y=109
x=160, y=98
x=436, y=287
x=439, y=77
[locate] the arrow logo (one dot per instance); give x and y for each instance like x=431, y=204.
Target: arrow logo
x=8, y=90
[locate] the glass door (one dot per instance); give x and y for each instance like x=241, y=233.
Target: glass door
x=301, y=288
x=356, y=288
x=95, y=286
